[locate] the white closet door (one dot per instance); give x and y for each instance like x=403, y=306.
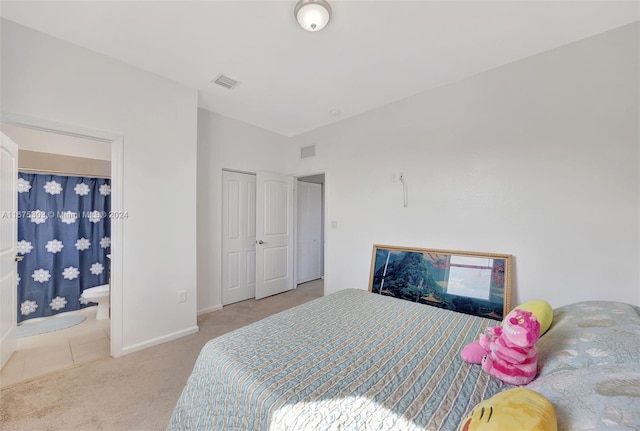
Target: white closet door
x=309, y=234
x=238, y=237
x=274, y=234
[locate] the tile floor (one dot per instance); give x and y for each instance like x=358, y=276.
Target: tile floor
x=53, y=351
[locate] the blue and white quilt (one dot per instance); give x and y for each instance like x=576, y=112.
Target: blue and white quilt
x=351, y=360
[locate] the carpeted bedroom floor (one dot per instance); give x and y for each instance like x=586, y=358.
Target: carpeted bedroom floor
x=134, y=392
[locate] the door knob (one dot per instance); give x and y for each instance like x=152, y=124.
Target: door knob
x=261, y=242
x=19, y=258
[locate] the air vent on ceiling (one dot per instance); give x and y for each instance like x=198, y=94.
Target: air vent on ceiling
x=306, y=152
x=225, y=81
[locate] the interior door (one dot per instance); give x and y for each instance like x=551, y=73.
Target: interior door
x=238, y=237
x=8, y=241
x=309, y=232
x=274, y=234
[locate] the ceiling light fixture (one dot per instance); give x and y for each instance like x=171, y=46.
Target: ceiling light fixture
x=312, y=15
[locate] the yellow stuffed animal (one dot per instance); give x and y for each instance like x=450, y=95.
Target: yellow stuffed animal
x=518, y=409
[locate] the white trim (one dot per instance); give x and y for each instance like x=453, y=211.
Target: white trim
x=238, y=172
x=6, y=343
x=117, y=186
x=326, y=277
x=160, y=340
x=8, y=275
x=311, y=174
x=62, y=173
x=210, y=309
x=60, y=128
x=117, y=247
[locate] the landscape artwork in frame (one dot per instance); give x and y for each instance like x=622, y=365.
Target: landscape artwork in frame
x=467, y=282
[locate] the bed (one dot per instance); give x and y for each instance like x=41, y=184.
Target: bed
x=589, y=366
x=354, y=360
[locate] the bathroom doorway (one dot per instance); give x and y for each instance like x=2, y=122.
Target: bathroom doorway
x=70, y=152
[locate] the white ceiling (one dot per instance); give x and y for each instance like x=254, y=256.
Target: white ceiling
x=291, y=81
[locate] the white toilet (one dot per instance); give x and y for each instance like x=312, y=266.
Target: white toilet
x=99, y=295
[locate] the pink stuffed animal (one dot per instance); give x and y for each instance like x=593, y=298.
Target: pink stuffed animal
x=511, y=355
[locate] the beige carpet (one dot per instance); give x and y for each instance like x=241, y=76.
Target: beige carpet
x=134, y=392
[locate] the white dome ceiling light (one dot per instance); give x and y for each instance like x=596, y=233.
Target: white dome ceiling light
x=312, y=15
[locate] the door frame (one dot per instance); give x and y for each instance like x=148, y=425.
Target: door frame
x=8, y=338
x=117, y=185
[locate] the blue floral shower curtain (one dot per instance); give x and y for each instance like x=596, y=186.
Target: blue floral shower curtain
x=64, y=238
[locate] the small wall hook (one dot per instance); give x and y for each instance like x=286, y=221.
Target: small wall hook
x=405, y=193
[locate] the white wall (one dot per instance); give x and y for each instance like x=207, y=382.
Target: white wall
x=56, y=143
x=49, y=79
x=539, y=159
x=224, y=143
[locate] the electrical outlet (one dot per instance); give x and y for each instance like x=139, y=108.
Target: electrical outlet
x=182, y=296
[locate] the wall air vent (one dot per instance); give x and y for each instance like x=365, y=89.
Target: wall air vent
x=306, y=152
x=225, y=82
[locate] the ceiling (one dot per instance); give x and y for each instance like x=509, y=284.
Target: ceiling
x=372, y=52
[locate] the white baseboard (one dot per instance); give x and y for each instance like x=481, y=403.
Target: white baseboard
x=159, y=340
x=210, y=309
x=8, y=345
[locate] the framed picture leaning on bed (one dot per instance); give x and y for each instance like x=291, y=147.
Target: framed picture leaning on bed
x=468, y=282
